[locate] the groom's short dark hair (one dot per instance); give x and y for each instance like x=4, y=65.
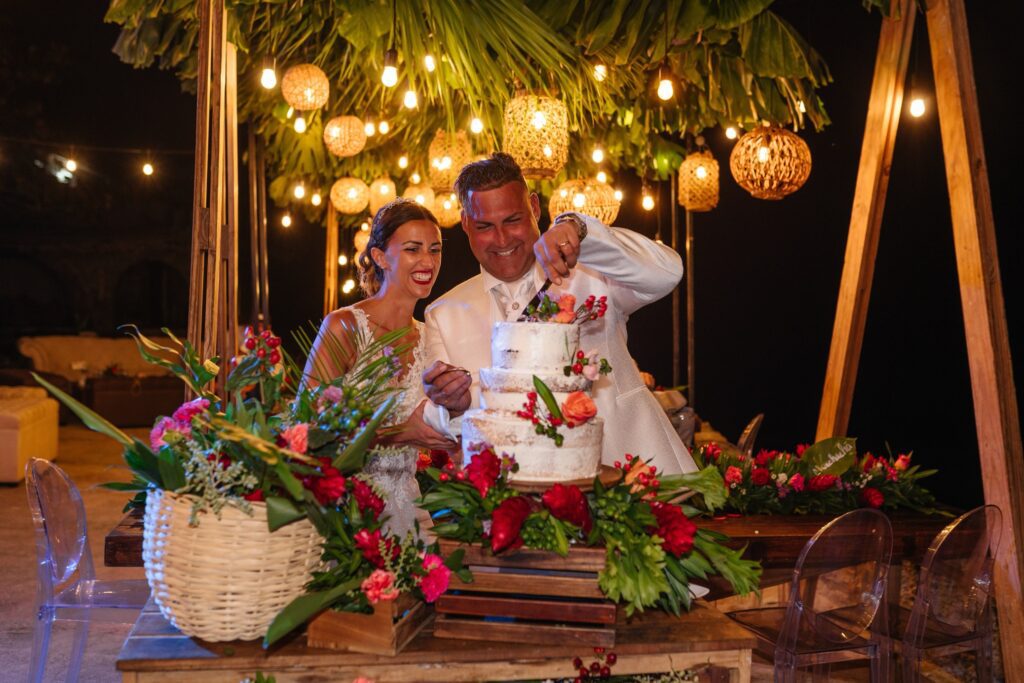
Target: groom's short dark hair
x=487, y=174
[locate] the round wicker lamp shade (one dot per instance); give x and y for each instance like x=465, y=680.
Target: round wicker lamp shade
x=305, y=87
x=588, y=196
x=350, y=195
x=344, y=136
x=698, y=182
x=447, y=210
x=382, y=191
x=537, y=135
x=770, y=162
x=449, y=152
x=421, y=194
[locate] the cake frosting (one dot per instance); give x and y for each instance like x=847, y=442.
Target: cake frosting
x=520, y=351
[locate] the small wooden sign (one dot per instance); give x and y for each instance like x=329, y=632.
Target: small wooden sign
x=385, y=632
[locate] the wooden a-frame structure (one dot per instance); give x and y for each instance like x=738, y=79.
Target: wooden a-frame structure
x=988, y=348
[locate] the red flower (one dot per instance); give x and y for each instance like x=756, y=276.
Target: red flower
x=568, y=504
x=422, y=461
x=902, y=463
x=186, y=411
x=329, y=487
x=254, y=496
x=712, y=451
x=797, y=482
x=435, y=582
x=506, y=522
x=439, y=458
x=483, y=470
x=733, y=475
x=872, y=497
x=370, y=545
x=765, y=457
x=801, y=448
x=760, y=476
x=821, y=482
x=674, y=527
x=366, y=499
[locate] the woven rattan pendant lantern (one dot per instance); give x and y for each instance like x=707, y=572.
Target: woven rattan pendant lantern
x=350, y=195
x=770, y=162
x=305, y=87
x=345, y=136
x=359, y=241
x=587, y=196
x=698, y=182
x=447, y=210
x=421, y=194
x=537, y=135
x=382, y=191
x=449, y=152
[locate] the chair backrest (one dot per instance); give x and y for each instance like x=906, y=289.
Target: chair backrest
x=62, y=543
x=746, y=441
x=839, y=579
x=956, y=575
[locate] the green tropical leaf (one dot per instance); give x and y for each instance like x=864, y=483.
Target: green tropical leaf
x=301, y=609
x=831, y=456
x=281, y=512
x=353, y=458
x=91, y=419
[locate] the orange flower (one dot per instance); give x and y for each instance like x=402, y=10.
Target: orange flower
x=578, y=407
x=563, y=317
x=567, y=303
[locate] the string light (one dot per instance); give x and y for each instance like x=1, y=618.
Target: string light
x=763, y=154
x=428, y=61
x=300, y=124
x=618, y=195
x=364, y=226
x=415, y=178
x=286, y=220
x=801, y=107
x=731, y=133
x=316, y=199
x=268, y=77
x=290, y=112
x=600, y=72
x=383, y=127
x=348, y=286
x=665, y=89
x=342, y=260
x=602, y=177
x=299, y=191
x=71, y=165
x=369, y=128
x=917, y=107
x=389, y=77
x=410, y=100
x=403, y=161
x=476, y=126
x=147, y=168
x=597, y=155
x=648, y=201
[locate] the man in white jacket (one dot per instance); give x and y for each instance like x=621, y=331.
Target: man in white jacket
x=581, y=256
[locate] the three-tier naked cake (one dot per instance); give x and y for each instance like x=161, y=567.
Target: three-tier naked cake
x=520, y=351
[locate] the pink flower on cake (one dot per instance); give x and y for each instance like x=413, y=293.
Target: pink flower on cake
x=435, y=582
x=380, y=585
x=797, y=482
x=186, y=411
x=578, y=407
x=297, y=437
x=483, y=471
x=733, y=475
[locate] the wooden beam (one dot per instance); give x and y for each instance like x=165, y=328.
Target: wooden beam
x=866, y=218
x=255, y=306
x=331, y=261
x=227, y=344
x=981, y=294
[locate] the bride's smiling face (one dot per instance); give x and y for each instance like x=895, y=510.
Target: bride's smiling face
x=411, y=258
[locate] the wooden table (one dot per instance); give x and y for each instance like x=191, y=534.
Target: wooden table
x=648, y=643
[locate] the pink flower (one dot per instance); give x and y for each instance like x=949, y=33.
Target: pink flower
x=297, y=437
x=435, y=582
x=592, y=370
x=186, y=411
x=797, y=482
x=902, y=463
x=331, y=395
x=380, y=585
x=892, y=474
x=563, y=317
x=160, y=429
x=733, y=475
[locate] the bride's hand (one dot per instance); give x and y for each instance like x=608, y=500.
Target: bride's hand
x=416, y=432
x=448, y=386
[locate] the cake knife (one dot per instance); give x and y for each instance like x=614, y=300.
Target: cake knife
x=535, y=300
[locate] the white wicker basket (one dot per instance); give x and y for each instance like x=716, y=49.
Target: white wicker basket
x=226, y=578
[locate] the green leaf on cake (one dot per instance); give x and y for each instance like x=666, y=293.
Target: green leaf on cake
x=546, y=396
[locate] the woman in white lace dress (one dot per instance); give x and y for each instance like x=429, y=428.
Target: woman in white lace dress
x=398, y=268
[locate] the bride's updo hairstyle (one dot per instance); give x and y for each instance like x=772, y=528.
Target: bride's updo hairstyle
x=391, y=217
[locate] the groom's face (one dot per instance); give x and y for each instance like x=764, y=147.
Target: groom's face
x=502, y=227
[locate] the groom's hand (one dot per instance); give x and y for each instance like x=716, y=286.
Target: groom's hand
x=558, y=250
x=448, y=386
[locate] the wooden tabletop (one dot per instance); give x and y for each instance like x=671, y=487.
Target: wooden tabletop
x=649, y=642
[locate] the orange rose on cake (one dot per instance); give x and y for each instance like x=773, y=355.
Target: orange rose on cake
x=578, y=407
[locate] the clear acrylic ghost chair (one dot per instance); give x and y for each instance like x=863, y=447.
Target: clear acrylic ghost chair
x=952, y=610
x=67, y=587
x=837, y=604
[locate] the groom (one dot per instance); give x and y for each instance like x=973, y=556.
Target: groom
x=581, y=256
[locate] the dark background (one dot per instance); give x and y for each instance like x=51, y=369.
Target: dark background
x=114, y=248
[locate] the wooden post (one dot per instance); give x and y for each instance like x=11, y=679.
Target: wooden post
x=260, y=313
x=691, y=314
x=866, y=218
x=331, y=261
x=674, y=227
x=981, y=294
x=228, y=345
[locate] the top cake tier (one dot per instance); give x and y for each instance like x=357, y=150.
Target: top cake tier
x=533, y=347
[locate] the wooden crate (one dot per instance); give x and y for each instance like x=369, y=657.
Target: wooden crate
x=527, y=596
x=385, y=632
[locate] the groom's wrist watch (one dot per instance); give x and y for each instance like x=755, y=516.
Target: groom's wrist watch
x=581, y=225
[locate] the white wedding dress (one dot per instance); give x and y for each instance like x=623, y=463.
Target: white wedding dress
x=394, y=473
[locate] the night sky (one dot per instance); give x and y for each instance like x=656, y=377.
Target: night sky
x=766, y=273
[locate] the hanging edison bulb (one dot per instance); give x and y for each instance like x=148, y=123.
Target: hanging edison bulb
x=586, y=195
x=537, y=134
x=770, y=162
x=345, y=136
x=268, y=74
x=382, y=191
x=350, y=195
x=448, y=153
x=300, y=124
x=305, y=87
x=698, y=182
x=389, y=76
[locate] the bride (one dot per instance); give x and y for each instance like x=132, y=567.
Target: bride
x=398, y=268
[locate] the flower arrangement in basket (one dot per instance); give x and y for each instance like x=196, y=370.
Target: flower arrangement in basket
x=253, y=495
x=652, y=548
x=825, y=478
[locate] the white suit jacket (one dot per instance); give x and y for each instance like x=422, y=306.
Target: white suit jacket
x=628, y=268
